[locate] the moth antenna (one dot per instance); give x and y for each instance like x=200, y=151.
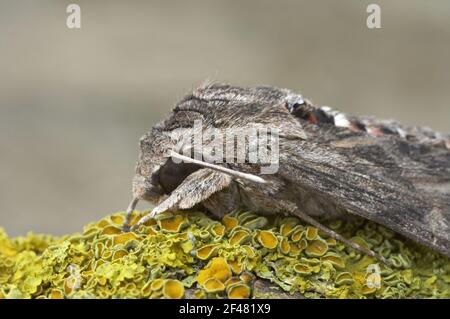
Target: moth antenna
x=308, y=219
x=236, y=174
x=130, y=210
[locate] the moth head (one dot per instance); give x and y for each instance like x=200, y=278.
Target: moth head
x=156, y=174
x=220, y=106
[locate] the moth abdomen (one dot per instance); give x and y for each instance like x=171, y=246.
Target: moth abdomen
x=325, y=115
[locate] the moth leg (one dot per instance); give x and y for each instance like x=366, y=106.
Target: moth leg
x=130, y=210
x=294, y=210
x=165, y=206
x=196, y=188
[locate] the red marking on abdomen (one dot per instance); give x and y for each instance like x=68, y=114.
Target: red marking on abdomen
x=312, y=119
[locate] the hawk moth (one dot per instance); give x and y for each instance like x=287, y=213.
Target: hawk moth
x=330, y=165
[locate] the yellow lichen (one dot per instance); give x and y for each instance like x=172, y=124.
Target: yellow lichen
x=297, y=235
x=218, y=230
x=118, y=219
x=311, y=233
x=146, y=289
x=232, y=281
x=118, y=254
x=229, y=222
x=236, y=266
x=239, y=291
x=317, y=248
x=157, y=284
x=111, y=230
x=123, y=238
x=267, y=239
x=181, y=251
x=336, y=260
x=285, y=247
x=255, y=223
x=331, y=242
x=172, y=224
x=238, y=237
x=217, y=268
x=286, y=229
x=295, y=249
x=246, y=277
x=56, y=294
x=344, y=278
x=302, y=269
x=207, y=251
x=173, y=289
x=213, y=285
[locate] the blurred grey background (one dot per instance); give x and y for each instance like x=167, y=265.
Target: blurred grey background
x=73, y=103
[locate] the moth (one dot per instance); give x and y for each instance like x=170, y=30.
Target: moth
x=330, y=165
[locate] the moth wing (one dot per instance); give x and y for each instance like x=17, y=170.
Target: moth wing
x=401, y=185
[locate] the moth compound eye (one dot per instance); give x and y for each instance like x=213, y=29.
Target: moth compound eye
x=154, y=179
x=171, y=174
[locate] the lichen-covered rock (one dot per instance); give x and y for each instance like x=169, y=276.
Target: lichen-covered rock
x=188, y=254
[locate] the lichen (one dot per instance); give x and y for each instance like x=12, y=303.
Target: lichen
x=188, y=251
